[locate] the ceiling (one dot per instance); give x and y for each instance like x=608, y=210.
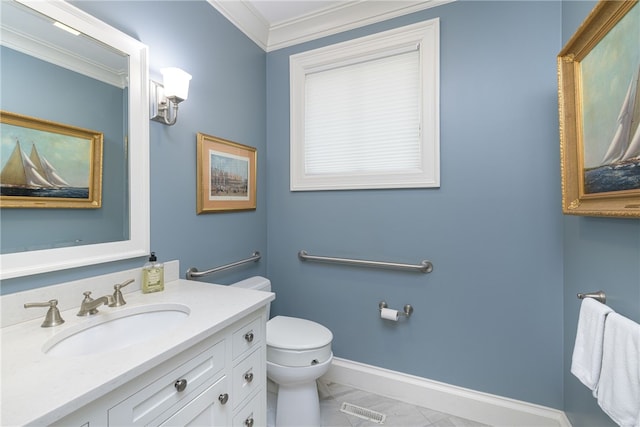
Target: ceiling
x=274, y=24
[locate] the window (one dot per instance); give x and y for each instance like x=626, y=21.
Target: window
x=364, y=113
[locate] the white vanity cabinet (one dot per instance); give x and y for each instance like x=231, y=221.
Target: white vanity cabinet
x=220, y=381
x=249, y=374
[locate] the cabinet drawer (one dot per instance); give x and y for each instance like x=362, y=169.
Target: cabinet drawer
x=206, y=409
x=248, y=376
x=162, y=394
x=247, y=337
x=253, y=414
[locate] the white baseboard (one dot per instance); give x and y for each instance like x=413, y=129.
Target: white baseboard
x=474, y=405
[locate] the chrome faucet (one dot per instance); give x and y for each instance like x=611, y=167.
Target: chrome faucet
x=90, y=305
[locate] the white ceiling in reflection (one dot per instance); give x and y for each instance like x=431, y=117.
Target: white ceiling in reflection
x=34, y=34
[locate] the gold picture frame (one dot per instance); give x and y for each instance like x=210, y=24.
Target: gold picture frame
x=599, y=133
x=63, y=169
x=226, y=175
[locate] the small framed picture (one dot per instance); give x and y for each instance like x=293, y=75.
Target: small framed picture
x=226, y=175
x=48, y=165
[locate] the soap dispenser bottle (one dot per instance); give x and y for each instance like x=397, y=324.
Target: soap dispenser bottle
x=152, y=275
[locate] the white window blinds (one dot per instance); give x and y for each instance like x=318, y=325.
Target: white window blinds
x=364, y=117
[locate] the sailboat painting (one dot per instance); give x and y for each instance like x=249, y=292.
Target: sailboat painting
x=619, y=168
x=611, y=109
x=48, y=165
x=599, y=106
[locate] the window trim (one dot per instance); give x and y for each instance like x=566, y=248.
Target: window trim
x=426, y=35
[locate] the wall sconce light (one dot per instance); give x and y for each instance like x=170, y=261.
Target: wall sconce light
x=164, y=98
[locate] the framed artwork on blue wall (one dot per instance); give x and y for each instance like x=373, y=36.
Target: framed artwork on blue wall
x=599, y=109
x=45, y=164
x=226, y=175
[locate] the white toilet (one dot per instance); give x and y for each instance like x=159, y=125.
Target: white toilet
x=298, y=353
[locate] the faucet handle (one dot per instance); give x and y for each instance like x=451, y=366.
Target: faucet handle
x=118, y=299
x=52, y=318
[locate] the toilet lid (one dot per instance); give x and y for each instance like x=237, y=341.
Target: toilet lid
x=296, y=334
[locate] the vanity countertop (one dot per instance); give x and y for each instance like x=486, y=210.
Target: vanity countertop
x=38, y=388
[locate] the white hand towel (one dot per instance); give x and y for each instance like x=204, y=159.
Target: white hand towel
x=619, y=386
x=587, y=351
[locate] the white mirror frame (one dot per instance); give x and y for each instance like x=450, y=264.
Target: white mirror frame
x=42, y=261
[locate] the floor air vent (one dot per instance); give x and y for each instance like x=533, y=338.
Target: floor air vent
x=364, y=413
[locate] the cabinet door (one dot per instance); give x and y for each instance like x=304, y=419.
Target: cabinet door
x=253, y=413
x=248, y=376
x=207, y=409
x=165, y=394
x=248, y=337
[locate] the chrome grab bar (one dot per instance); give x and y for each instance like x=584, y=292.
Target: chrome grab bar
x=193, y=272
x=425, y=266
x=597, y=295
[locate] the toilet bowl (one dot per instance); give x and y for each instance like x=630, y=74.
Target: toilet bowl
x=298, y=353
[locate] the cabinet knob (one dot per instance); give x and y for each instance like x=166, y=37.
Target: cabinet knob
x=180, y=385
x=248, y=377
x=249, y=336
x=223, y=398
x=248, y=422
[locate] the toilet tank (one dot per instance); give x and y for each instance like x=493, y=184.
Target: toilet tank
x=257, y=283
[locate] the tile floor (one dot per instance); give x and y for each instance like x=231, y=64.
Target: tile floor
x=398, y=414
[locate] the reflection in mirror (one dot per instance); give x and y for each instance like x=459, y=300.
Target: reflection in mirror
x=52, y=72
x=95, y=78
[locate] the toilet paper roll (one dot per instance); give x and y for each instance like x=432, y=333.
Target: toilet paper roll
x=389, y=314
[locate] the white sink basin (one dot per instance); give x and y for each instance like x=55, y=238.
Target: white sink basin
x=109, y=331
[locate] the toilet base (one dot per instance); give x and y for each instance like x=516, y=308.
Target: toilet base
x=271, y=408
x=298, y=405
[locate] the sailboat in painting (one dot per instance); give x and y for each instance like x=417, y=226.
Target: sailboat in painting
x=626, y=140
x=620, y=167
x=47, y=170
x=34, y=175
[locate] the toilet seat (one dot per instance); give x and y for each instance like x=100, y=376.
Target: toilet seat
x=297, y=342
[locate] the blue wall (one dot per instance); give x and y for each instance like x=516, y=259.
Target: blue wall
x=599, y=253
x=226, y=99
x=489, y=317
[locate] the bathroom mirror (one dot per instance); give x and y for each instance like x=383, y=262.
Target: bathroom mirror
x=101, y=56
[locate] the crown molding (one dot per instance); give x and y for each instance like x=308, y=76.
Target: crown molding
x=315, y=25
x=246, y=18
x=49, y=52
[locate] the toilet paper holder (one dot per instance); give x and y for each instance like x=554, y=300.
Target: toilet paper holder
x=407, y=309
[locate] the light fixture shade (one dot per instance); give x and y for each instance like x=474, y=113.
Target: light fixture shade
x=176, y=82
